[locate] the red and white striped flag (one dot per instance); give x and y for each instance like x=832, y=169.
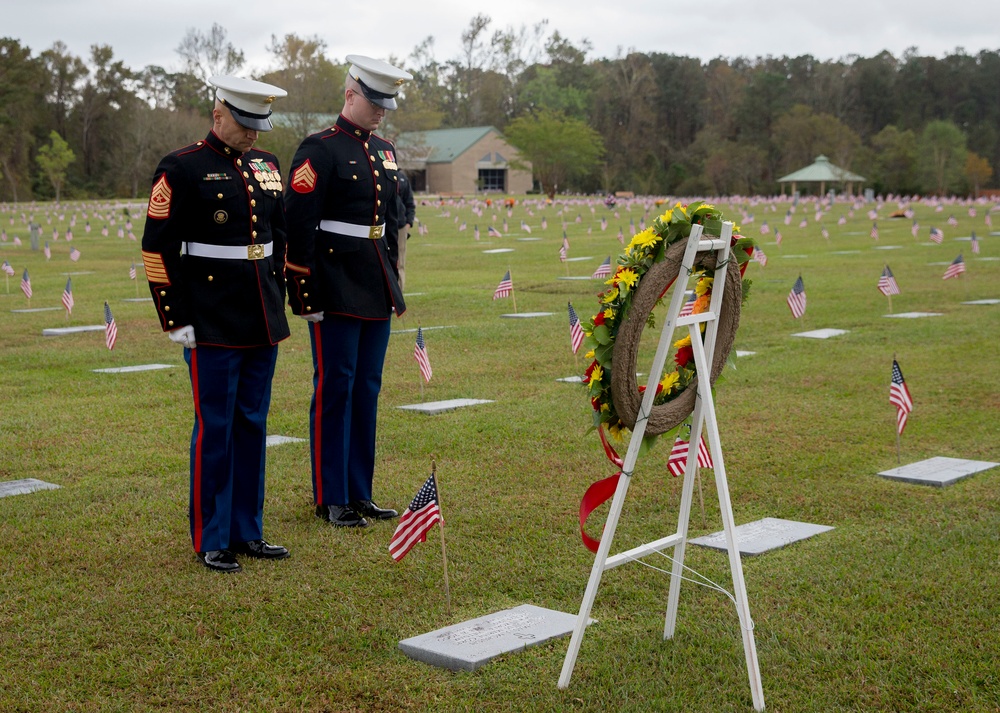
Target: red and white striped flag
x=67, y=296
x=975, y=243
x=887, y=283
x=797, y=298
x=74, y=254
x=874, y=232
x=936, y=235
x=956, y=268
x=110, y=328
x=603, y=270
x=420, y=354
x=575, y=329
x=899, y=395
x=759, y=256
x=677, y=463
x=26, y=284
x=505, y=287
x=416, y=520
x=131, y=272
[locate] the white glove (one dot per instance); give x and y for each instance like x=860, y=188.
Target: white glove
x=314, y=317
x=183, y=336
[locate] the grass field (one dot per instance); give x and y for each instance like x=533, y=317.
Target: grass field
x=103, y=606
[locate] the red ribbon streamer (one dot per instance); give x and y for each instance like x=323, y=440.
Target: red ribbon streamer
x=596, y=494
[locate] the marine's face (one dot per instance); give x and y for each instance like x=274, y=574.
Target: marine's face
x=229, y=130
x=363, y=112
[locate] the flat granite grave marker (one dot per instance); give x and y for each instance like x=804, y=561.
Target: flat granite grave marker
x=575, y=277
x=579, y=259
x=426, y=329
x=888, y=247
x=988, y=258
x=741, y=353
x=821, y=333
x=760, y=536
x=939, y=471
x=528, y=240
x=571, y=380
x=60, y=331
x=469, y=645
x=24, y=486
x=433, y=407
x=496, y=251
x=792, y=257
x=279, y=440
x=982, y=302
x=36, y=309
x=129, y=369
x=913, y=315
x=138, y=299
x=527, y=315
x=845, y=252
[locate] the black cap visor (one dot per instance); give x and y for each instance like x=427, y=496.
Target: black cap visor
x=257, y=122
x=386, y=101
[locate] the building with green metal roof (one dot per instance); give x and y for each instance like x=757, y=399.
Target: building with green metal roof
x=467, y=160
x=822, y=172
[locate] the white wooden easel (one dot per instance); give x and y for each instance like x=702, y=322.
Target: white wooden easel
x=704, y=414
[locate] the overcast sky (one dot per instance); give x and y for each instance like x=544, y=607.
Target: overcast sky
x=144, y=33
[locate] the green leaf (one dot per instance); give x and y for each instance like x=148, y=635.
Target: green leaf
x=601, y=334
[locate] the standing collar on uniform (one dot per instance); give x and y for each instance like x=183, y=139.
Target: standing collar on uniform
x=221, y=146
x=349, y=127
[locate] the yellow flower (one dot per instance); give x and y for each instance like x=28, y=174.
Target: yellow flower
x=596, y=375
x=681, y=343
x=589, y=355
x=628, y=276
x=616, y=432
x=667, y=216
x=609, y=313
x=703, y=286
x=605, y=408
x=642, y=239
x=610, y=296
x=669, y=381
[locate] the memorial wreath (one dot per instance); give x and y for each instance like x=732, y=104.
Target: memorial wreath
x=645, y=271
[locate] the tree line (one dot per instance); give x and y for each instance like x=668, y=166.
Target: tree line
x=647, y=122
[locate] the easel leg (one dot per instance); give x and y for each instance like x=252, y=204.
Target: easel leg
x=687, y=495
x=596, y=573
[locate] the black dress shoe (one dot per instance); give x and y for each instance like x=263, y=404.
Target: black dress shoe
x=260, y=549
x=220, y=561
x=370, y=509
x=341, y=515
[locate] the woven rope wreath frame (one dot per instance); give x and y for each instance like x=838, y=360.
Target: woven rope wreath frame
x=624, y=385
x=647, y=268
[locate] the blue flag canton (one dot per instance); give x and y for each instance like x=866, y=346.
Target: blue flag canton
x=426, y=495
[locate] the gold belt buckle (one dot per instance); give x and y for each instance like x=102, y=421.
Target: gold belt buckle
x=375, y=232
x=255, y=252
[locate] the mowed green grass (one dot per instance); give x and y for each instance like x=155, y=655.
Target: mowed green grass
x=104, y=607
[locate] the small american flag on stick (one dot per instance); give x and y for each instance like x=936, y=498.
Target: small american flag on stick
x=414, y=523
x=899, y=395
x=797, y=298
x=420, y=354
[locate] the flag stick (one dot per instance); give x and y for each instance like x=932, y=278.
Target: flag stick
x=6, y=282
x=890, y=303
x=513, y=296
x=898, y=457
x=444, y=554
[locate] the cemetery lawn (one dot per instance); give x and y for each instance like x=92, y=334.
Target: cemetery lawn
x=103, y=606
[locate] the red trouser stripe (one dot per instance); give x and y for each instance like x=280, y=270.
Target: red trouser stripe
x=317, y=443
x=196, y=474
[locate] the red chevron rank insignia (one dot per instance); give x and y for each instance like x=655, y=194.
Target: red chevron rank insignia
x=304, y=178
x=159, y=200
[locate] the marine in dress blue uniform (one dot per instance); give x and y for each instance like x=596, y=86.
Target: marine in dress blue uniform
x=343, y=231
x=213, y=250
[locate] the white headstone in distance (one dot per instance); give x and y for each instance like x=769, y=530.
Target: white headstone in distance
x=939, y=471
x=434, y=407
x=761, y=536
x=821, y=333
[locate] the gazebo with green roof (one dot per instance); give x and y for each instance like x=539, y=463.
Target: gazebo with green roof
x=822, y=172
